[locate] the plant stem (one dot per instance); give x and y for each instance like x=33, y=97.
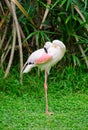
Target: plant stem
x=19, y=39
x=45, y=14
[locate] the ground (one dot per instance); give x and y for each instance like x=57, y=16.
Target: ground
x=27, y=112
x=22, y=107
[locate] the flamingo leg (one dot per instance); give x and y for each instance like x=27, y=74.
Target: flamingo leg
x=46, y=95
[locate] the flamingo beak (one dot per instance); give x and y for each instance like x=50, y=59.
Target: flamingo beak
x=45, y=50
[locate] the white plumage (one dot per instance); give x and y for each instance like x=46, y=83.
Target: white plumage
x=45, y=58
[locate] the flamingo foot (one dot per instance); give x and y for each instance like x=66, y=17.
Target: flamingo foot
x=49, y=113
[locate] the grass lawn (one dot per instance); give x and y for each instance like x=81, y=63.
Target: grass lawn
x=27, y=113
x=22, y=107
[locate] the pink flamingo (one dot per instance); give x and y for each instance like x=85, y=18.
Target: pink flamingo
x=45, y=58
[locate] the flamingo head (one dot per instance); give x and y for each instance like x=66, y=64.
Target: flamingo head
x=59, y=43
x=47, y=46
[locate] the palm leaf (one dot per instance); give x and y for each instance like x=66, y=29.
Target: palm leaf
x=23, y=11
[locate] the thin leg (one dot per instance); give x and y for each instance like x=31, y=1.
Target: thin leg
x=46, y=95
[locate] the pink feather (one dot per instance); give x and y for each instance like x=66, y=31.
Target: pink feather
x=43, y=59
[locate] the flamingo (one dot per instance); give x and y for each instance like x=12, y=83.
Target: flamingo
x=44, y=59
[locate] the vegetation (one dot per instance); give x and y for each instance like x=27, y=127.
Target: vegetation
x=27, y=113
x=23, y=106
x=32, y=23
x=26, y=25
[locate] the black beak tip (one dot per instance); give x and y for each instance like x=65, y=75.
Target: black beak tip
x=45, y=50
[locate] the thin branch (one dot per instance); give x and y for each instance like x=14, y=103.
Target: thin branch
x=81, y=15
x=19, y=39
x=45, y=14
x=84, y=56
x=1, y=6
x=5, y=51
x=83, y=53
x=21, y=31
x=3, y=37
x=23, y=36
x=9, y=6
x=80, y=46
x=3, y=19
x=12, y=52
x=79, y=12
x=4, y=57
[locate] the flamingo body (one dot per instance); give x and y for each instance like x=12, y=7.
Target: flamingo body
x=45, y=58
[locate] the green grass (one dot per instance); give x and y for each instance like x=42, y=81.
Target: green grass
x=22, y=107
x=27, y=113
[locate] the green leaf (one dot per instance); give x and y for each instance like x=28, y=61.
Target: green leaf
x=68, y=19
x=76, y=60
x=63, y=2
x=68, y=4
x=29, y=36
x=53, y=5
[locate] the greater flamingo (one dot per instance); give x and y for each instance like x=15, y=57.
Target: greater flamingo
x=45, y=58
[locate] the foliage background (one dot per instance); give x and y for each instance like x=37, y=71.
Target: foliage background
x=25, y=25
x=36, y=22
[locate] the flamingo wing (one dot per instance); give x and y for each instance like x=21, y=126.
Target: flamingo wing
x=43, y=59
